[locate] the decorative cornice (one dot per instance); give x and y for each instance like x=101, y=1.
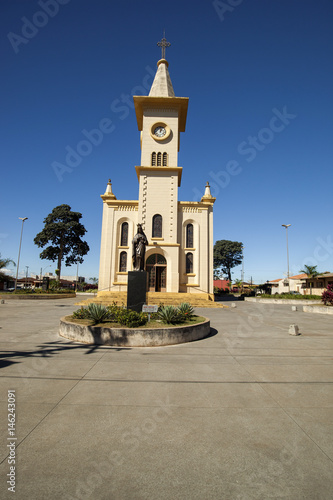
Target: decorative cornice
x=120, y=204
x=142, y=102
x=195, y=206
x=178, y=170
x=161, y=245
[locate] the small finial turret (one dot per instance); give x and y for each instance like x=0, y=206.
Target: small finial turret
x=208, y=195
x=108, y=190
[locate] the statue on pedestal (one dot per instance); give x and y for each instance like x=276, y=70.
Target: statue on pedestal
x=139, y=243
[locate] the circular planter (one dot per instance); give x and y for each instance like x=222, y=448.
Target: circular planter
x=133, y=337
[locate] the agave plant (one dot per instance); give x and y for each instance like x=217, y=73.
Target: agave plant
x=186, y=311
x=97, y=313
x=168, y=314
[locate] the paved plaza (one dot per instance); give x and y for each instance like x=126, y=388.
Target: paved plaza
x=246, y=413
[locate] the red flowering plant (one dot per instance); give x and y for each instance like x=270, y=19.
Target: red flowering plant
x=327, y=296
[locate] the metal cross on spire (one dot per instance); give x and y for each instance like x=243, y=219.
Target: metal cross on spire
x=163, y=44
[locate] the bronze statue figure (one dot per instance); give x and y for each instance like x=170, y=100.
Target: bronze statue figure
x=139, y=243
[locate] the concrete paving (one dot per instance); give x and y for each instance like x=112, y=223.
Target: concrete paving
x=246, y=413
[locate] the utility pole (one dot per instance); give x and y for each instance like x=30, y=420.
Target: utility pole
x=242, y=265
x=286, y=226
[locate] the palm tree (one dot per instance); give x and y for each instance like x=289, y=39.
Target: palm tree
x=239, y=285
x=3, y=264
x=311, y=272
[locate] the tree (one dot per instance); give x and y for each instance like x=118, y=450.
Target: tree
x=63, y=230
x=311, y=272
x=227, y=254
x=3, y=264
x=94, y=281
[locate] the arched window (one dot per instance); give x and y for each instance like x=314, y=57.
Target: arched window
x=189, y=236
x=124, y=234
x=123, y=262
x=157, y=226
x=165, y=159
x=159, y=159
x=153, y=159
x=189, y=262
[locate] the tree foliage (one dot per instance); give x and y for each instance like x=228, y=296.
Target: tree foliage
x=310, y=271
x=327, y=296
x=64, y=231
x=3, y=264
x=227, y=254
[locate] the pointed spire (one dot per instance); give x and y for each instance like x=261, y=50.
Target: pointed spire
x=162, y=86
x=108, y=191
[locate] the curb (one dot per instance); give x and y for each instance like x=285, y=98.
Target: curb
x=38, y=296
x=282, y=301
x=318, y=309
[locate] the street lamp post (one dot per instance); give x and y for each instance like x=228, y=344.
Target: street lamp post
x=77, y=276
x=286, y=226
x=18, y=258
x=26, y=276
x=42, y=271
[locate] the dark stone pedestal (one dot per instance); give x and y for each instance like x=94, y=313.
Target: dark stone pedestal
x=136, y=290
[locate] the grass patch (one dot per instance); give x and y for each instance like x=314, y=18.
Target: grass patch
x=153, y=324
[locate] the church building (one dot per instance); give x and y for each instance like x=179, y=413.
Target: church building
x=179, y=254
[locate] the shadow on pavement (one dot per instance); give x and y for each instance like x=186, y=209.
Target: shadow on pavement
x=50, y=349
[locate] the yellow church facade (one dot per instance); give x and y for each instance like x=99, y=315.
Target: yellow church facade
x=179, y=254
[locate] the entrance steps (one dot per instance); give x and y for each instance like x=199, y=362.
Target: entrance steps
x=175, y=299
x=106, y=299
x=155, y=298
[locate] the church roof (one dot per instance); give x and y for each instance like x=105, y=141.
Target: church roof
x=162, y=86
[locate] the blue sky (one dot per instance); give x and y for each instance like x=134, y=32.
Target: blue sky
x=258, y=74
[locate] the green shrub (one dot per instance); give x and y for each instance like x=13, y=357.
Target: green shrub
x=81, y=313
x=132, y=319
x=115, y=314
x=286, y=295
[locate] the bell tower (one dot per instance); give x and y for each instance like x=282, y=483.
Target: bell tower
x=161, y=116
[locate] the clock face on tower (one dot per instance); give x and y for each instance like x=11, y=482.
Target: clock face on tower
x=160, y=131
